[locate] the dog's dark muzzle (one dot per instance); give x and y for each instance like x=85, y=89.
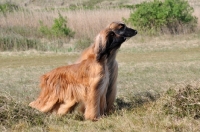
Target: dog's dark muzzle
x=129, y=32
x=126, y=32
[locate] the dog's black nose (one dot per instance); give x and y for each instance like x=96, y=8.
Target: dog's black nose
x=135, y=31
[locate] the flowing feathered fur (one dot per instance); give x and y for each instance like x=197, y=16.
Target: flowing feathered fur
x=121, y=29
x=83, y=83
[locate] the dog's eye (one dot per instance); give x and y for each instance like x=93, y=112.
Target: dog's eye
x=122, y=26
x=112, y=34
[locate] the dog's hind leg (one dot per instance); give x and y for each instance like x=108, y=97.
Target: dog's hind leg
x=48, y=106
x=66, y=106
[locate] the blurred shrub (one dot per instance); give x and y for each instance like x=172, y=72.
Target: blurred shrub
x=58, y=29
x=173, y=16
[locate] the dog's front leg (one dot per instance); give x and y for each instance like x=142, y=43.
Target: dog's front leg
x=92, y=105
x=112, y=87
x=92, y=111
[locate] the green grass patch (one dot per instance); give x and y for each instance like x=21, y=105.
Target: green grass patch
x=28, y=32
x=12, y=43
x=8, y=7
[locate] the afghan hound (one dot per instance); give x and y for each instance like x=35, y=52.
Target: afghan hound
x=82, y=83
x=121, y=29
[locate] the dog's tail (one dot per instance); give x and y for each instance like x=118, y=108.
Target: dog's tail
x=47, y=98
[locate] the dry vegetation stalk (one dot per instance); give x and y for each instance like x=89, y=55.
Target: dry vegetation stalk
x=85, y=23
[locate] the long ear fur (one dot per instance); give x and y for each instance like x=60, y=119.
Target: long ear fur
x=102, y=45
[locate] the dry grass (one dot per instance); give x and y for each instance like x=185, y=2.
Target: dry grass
x=147, y=68
x=91, y=22
x=85, y=23
x=197, y=14
x=183, y=101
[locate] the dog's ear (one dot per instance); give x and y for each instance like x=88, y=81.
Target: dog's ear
x=100, y=53
x=105, y=40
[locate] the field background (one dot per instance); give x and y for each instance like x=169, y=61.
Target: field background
x=148, y=67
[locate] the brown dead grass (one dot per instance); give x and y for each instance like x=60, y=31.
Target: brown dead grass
x=197, y=14
x=85, y=23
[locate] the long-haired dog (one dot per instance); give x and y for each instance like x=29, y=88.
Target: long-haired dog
x=82, y=83
x=121, y=29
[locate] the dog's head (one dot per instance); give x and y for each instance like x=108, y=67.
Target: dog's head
x=121, y=29
x=106, y=41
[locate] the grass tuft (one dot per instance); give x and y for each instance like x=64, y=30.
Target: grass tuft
x=184, y=101
x=12, y=113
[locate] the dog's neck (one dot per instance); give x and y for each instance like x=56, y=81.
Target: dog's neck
x=112, y=56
